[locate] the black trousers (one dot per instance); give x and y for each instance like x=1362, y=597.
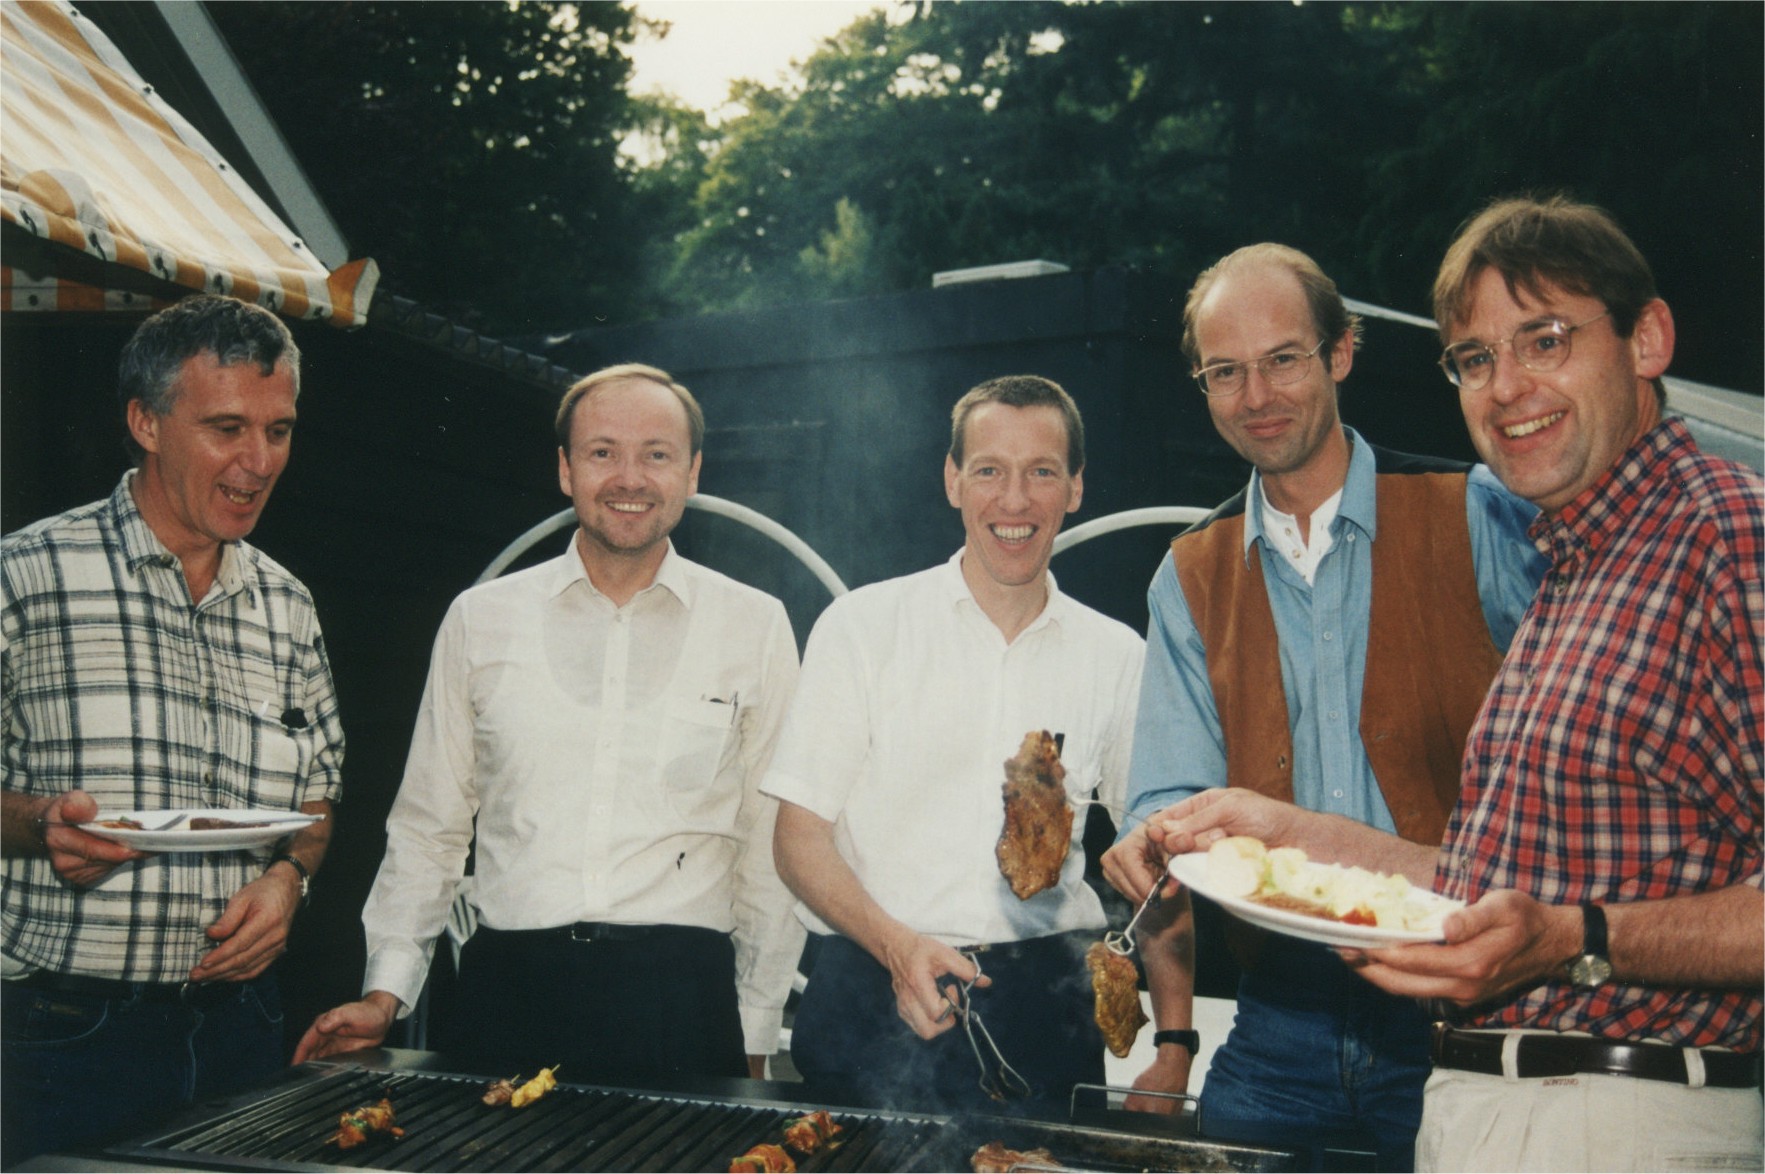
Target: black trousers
x=612, y=1012
x=848, y=1041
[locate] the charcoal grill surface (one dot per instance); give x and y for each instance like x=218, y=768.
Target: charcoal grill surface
x=582, y=1127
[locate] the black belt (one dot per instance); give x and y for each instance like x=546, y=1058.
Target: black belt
x=594, y=931
x=1567, y=1055
x=191, y=994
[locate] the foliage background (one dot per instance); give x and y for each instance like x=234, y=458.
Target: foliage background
x=472, y=149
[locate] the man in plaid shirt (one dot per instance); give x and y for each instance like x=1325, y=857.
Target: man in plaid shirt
x=153, y=661
x=1607, y=974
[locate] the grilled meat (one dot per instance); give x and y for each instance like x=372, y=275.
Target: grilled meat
x=994, y=1158
x=1115, y=983
x=1038, y=819
x=498, y=1093
x=763, y=1159
x=810, y=1133
x=527, y=1093
x=358, y=1125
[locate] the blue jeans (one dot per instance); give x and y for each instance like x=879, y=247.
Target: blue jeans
x=81, y=1071
x=1318, y=1057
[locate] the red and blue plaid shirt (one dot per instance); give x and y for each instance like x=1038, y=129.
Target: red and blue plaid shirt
x=1618, y=756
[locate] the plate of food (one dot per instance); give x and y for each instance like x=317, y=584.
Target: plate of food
x=1338, y=905
x=197, y=829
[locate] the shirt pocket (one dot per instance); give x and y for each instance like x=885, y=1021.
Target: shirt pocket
x=696, y=738
x=1081, y=757
x=280, y=759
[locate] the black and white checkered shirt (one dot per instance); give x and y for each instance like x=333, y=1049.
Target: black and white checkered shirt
x=115, y=684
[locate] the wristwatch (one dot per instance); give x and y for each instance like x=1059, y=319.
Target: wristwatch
x=1186, y=1037
x=306, y=878
x=1591, y=967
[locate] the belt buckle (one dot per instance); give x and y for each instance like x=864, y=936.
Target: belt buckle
x=583, y=931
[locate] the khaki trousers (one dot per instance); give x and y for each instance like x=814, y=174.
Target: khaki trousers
x=1471, y=1121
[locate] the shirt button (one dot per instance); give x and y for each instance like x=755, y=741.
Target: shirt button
x=1329, y=635
x=1334, y=714
x=1338, y=794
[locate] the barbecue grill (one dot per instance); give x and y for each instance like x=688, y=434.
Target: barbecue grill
x=581, y=1127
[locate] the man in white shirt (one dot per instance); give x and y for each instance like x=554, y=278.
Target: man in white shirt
x=602, y=722
x=890, y=773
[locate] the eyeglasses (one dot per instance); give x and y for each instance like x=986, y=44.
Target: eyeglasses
x=1539, y=346
x=1278, y=369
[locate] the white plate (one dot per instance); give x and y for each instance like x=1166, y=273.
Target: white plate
x=179, y=838
x=1191, y=870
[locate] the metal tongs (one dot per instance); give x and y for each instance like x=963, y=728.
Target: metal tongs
x=1122, y=941
x=999, y=1080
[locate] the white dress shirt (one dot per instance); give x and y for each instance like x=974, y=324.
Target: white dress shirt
x=911, y=702
x=610, y=758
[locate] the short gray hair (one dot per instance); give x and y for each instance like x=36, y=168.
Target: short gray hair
x=227, y=328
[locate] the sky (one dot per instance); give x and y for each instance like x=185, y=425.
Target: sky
x=713, y=42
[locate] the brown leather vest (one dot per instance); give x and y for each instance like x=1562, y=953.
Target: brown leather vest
x=1430, y=658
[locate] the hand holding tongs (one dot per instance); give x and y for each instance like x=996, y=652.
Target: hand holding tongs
x=1002, y=1082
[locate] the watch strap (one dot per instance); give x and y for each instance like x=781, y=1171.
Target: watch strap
x=1593, y=936
x=306, y=878
x=1186, y=1037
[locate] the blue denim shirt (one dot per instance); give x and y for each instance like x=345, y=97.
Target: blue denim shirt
x=1322, y=627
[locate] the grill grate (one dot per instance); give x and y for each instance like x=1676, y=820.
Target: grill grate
x=578, y=1127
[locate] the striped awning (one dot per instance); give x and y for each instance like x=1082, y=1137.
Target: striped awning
x=92, y=159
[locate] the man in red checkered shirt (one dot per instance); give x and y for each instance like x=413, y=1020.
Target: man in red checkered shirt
x=1605, y=979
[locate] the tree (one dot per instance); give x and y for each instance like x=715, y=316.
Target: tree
x=1089, y=134
x=470, y=148
x=1164, y=135
x=1651, y=110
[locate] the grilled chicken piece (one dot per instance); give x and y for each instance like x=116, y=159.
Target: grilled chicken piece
x=994, y=1158
x=1038, y=819
x=498, y=1093
x=527, y=1093
x=810, y=1133
x=1115, y=983
x=763, y=1159
x=358, y=1125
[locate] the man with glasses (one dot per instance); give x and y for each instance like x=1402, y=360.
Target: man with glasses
x=1324, y=637
x=1609, y=968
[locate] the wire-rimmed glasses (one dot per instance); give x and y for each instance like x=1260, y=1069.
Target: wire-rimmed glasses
x=1539, y=346
x=1278, y=369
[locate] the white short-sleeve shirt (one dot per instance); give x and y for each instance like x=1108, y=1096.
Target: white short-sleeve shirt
x=909, y=705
